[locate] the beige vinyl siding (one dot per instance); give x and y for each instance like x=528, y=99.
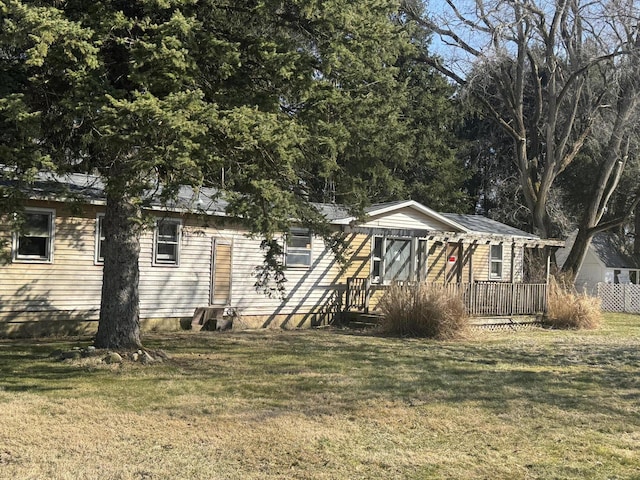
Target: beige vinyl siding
x=436, y=262
x=358, y=255
x=474, y=258
x=71, y=286
x=376, y=295
x=308, y=290
x=175, y=291
x=481, y=263
x=518, y=264
x=408, y=219
x=246, y=256
x=67, y=289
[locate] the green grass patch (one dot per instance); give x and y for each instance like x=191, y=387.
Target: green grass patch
x=331, y=404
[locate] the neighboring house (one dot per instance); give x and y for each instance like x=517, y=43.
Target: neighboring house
x=605, y=262
x=197, y=256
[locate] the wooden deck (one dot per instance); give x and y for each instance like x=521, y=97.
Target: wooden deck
x=481, y=299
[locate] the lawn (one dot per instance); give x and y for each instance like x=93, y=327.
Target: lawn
x=329, y=404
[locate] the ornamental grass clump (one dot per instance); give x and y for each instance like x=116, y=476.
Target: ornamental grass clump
x=569, y=309
x=422, y=310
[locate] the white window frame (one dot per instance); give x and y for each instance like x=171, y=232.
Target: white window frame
x=494, y=260
x=308, y=250
x=99, y=237
x=50, y=243
x=377, y=259
x=159, y=262
x=413, y=246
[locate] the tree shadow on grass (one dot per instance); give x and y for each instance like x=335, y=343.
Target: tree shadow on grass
x=29, y=368
x=323, y=373
x=584, y=378
x=574, y=377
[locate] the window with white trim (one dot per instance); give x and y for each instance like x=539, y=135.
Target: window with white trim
x=495, y=262
x=392, y=259
x=99, y=253
x=398, y=259
x=298, y=248
x=34, y=241
x=376, y=260
x=166, y=245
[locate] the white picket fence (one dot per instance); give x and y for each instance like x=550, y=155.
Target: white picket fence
x=619, y=297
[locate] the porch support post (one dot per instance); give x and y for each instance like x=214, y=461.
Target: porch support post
x=367, y=294
x=470, y=251
x=511, y=273
x=459, y=263
x=445, y=246
x=513, y=258
x=547, y=254
x=547, y=257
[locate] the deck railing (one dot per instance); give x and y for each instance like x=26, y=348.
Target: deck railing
x=502, y=299
x=480, y=298
x=358, y=294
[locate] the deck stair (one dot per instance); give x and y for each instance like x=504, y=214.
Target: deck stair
x=361, y=320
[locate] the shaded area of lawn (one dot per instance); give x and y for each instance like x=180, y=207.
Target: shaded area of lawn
x=528, y=404
x=296, y=369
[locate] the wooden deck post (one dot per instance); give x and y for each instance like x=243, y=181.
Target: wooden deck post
x=547, y=254
x=547, y=273
x=367, y=294
x=445, y=246
x=512, y=277
x=513, y=258
x=459, y=262
x=470, y=251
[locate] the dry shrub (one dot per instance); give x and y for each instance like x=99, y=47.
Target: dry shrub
x=422, y=310
x=569, y=309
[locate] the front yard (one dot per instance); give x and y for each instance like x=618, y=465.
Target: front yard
x=330, y=404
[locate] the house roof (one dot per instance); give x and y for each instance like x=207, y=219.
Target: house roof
x=90, y=188
x=480, y=224
x=609, y=250
x=333, y=212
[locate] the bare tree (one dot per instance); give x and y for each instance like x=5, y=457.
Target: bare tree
x=615, y=156
x=529, y=64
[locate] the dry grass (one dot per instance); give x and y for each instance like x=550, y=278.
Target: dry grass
x=569, y=309
x=422, y=310
x=330, y=405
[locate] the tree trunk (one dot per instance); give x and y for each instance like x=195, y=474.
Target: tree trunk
x=119, y=326
x=578, y=252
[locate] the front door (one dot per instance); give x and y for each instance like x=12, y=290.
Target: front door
x=221, y=272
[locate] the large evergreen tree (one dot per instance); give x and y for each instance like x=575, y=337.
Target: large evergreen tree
x=293, y=100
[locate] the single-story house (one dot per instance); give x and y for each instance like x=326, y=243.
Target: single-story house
x=199, y=257
x=605, y=262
